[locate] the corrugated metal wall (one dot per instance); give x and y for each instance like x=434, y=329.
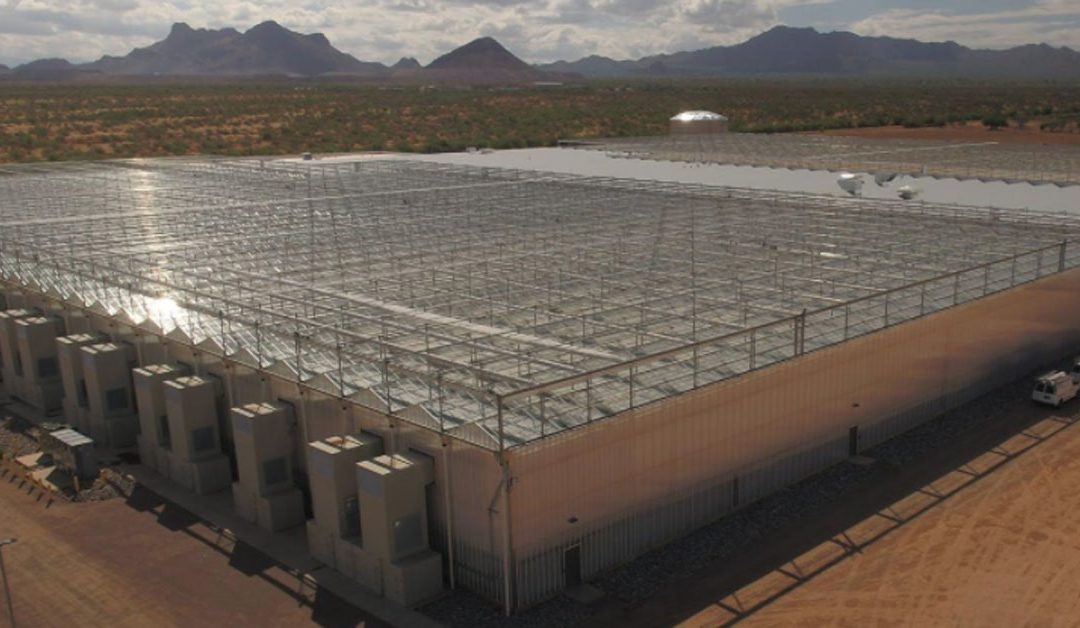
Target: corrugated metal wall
x=621, y=486
x=539, y=575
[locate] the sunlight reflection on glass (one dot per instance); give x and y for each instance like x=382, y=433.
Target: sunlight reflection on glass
x=163, y=310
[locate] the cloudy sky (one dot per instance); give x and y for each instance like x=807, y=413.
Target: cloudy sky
x=537, y=30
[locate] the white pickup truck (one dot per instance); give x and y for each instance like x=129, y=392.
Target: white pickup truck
x=1055, y=388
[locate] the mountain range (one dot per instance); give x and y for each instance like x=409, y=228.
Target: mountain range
x=265, y=49
x=269, y=49
x=785, y=50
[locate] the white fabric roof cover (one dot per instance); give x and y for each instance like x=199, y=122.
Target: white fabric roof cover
x=698, y=116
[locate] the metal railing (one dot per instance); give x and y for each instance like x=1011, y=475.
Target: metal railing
x=586, y=397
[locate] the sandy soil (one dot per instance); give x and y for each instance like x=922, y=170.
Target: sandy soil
x=1004, y=551
x=974, y=132
x=984, y=533
x=144, y=563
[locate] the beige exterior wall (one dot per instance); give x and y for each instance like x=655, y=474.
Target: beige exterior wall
x=796, y=414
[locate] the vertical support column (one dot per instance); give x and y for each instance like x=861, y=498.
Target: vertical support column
x=499, y=421
x=799, y=323
x=753, y=349
x=696, y=368
x=448, y=496
x=508, y=543
x=588, y=400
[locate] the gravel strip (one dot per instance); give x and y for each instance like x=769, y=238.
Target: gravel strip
x=109, y=485
x=18, y=436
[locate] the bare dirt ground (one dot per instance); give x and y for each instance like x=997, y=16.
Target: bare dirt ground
x=141, y=562
x=974, y=132
x=983, y=530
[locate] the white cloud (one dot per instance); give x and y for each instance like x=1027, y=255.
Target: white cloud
x=1055, y=22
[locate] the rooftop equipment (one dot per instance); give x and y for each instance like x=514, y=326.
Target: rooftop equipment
x=698, y=123
x=851, y=183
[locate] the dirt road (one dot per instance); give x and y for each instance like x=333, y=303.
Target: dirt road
x=144, y=563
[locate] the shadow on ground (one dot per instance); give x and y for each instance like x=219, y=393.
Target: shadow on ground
x=910, y=475
x=327, y=609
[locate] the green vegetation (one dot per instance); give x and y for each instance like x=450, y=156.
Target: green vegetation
x=995, y=121
x=60, y=122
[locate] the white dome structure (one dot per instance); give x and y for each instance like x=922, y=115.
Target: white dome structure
x=698, y=122
x=698, y=116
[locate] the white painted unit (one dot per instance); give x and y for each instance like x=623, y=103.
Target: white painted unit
x=154, y=439
x=396, y=556
x=76, y=402
x=265, y=491
x=36, y=340
x=195, y=460
x=107, y=373
x=13, y=367
x=334, y=532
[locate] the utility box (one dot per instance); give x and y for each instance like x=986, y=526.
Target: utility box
x=154, y=438
x=36, y=342
x=76, y=403
x=195, y=458
x=394, y=524
x=72, y=452
x=111, y=413
x=265, y=492
x=12, y=364
x=331, y=464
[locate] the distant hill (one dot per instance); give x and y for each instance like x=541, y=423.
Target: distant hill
x=267, y=48
x=593, y=65
x=406, y=63
x=48, y=70
x=482, y=60
x=804, y=51
x=484, y=52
